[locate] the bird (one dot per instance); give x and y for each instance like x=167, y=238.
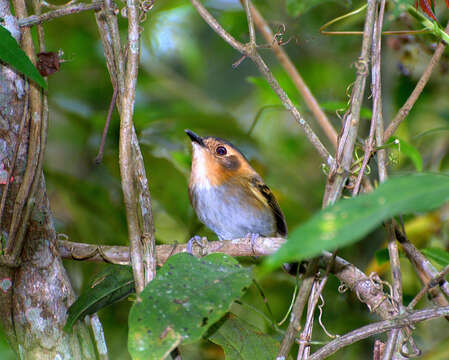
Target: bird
x=228, y=195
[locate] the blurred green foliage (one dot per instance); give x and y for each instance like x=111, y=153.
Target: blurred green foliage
x=186, y=80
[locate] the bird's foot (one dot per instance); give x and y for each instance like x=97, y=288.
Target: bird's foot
x=199, y=241
x=253, y=237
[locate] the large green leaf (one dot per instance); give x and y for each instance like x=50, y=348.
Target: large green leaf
x=242, y=341
x=12, y=54
x=187, y=296
x=348, y=220
x=110, y=286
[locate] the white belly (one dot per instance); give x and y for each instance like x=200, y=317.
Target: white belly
x=231, y=217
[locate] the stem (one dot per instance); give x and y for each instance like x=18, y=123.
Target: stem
x=291, y=70
x=341, y=167
x=251, y=52
x=50, y=15
x=376, y=328
x=125, y=150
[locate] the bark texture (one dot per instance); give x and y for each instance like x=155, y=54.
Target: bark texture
x=34, y=297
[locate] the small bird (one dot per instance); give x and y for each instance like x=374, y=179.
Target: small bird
x=228, y=195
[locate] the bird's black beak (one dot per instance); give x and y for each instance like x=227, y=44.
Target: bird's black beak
x=194, y=137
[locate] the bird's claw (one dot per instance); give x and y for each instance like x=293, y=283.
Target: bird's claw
x=198, y=240
x=253, y=237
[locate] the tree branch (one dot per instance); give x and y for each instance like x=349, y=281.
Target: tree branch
x=250, y=51
x=291, y=70
x=125, y=149
x=376, y=328
x=342, y=165
x=53, y=14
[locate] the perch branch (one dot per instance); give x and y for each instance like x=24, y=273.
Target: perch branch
x=366, y=289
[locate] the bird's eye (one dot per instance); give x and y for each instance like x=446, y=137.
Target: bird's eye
x=221, y=150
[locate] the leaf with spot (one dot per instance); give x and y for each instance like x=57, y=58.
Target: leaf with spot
x=187, y=296
x=110, y=286
x=243, y=341
x=349, y=220
x=13, y=55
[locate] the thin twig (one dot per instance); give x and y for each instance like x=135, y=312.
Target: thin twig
x=306, y=335
x=340, y=170
x=100, y=154
x=424, y=268
x=377, y=328
x=405, y=109
x=430, y=284
x=295, y=318
x=50, y=15
x=250, y=51
x=295, y=76
x=249, y=17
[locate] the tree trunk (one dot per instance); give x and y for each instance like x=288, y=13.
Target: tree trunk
x=34, y=296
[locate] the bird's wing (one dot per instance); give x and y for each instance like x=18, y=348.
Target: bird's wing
x=263, y=191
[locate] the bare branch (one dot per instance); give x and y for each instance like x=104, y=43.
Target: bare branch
x=424, y=269
x=251, y=52
x=290, y=68
x=430, y=284
x=50, y=15
x=125, y=149
x=341, y=167
x=379, y=327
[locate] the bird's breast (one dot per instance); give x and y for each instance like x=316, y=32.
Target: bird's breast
x=231, y=211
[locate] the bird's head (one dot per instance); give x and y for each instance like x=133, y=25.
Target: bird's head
x=217, y=161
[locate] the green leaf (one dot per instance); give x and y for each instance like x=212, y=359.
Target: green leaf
x=349, y=220
x=410, y=151
x=110, y=286
x=242, y=341
x=440, y=256
x=12, y=54
x=187, y=296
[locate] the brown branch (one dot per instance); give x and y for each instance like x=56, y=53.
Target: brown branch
x=250, y=51
x=100, y=154
x=295, y=76
x=24, y=201
x=377, y=328
x=50, y=15
x=366, y=289
x=146, y=212
x=405, y=109
x=125, y=149
x=424, y=269
x=341, y=167
x=306, y=335
x=430, y=284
